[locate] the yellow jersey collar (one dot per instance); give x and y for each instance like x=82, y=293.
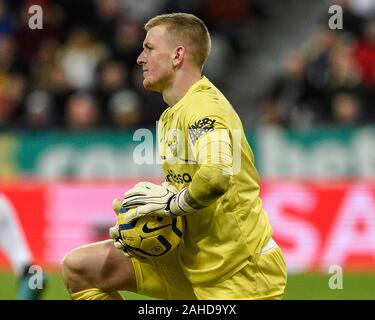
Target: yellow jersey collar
x=202, y=81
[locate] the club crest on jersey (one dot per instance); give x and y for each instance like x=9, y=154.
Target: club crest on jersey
x=201, y=127
x=172, y=142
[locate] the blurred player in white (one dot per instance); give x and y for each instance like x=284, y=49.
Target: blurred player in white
x=15, y=246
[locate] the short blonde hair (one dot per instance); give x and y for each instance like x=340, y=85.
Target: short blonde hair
x=186, y=27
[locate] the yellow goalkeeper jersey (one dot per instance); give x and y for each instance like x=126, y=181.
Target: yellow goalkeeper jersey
x=220, y=238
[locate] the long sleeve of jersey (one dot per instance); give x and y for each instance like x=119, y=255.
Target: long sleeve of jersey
x=213, y=152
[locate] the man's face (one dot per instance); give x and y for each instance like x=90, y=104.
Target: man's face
x=156, y=59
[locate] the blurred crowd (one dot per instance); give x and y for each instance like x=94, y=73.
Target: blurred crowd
x=330, y=79
x=79, y=72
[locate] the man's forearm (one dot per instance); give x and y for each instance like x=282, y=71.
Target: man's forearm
x=207, y=186
x=209, y=183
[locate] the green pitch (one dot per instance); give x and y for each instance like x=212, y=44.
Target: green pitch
x=300, y=286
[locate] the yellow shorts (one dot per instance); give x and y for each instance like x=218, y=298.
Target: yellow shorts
x=163, y=278
x=263, y=277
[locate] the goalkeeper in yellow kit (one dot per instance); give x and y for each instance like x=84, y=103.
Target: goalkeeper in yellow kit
x=227, y=251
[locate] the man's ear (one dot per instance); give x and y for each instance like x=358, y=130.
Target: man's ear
x=178, y=56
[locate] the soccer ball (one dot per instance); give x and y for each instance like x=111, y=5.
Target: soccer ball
x=150, y=236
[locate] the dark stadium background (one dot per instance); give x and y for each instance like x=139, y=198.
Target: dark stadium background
x=73, y=112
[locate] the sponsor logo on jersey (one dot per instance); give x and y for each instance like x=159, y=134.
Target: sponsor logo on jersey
x=201, y=127
x=178, y=178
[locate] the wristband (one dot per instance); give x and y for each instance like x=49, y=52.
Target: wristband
x=178, y=205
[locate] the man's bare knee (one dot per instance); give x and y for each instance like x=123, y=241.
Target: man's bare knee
x=73, y=271
x=71, y=263
x=98, y=265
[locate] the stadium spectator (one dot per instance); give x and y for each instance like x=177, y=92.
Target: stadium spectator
x=192, y=6
x=220, y=55
x=142, y=10
x=363, y=8
x=77, y=14
x=346, y=110
x=364, y=55
x=61, y=91
x=112, y=76
x=13, y=82
x=39, y=111
x=352, y=22
x=108, y=15
x=127, y=39
x=82, y=113
x=125, y=109
x=230, y=19
x=29, y=40
x=289, y=102
x=43, y=64
x=343, y=74
x=79, y=58
x=7, y=22
x=317, y=50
